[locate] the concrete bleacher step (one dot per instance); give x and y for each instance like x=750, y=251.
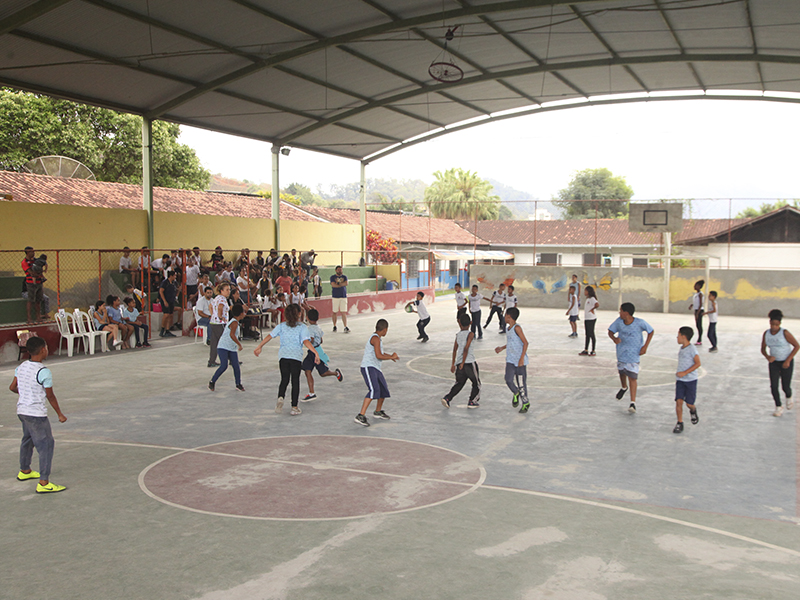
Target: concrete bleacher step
x=13, y=310
x=11, y=287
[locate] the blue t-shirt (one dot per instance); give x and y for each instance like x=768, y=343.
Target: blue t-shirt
x=339, y=292
x=686, y=361
x=292, y=339
x=225, y=342
x=114, y=314
x=630, y=338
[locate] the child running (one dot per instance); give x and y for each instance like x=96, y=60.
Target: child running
x=373, y=374
x=572, y=311
x=516, y=361
x=498, y=302
x=782, y=347
x=226, y=348
x=464, y=365
x=418, y=306
x=315, y=333
x=628, y=339
x=294, y=335
x=34, y=384
x=686, y=384
x=589, y=320
x=712, y=314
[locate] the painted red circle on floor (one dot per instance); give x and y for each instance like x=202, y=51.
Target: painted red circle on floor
x=311, y=477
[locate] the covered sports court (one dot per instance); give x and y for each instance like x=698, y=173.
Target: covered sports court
x=175, y=492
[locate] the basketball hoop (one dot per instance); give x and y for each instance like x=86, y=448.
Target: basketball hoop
x=444, y=67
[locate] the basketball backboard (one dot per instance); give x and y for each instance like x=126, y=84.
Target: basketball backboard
x=656, y=217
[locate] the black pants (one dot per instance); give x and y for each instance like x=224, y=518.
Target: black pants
x=712, y=334
x=468, y=373
x=698, y=321
x=476, y=324
x=290, y=368
x=588, y=326
x=499, y=311
x=421, y=325
x=461, y=311
x=778, y=374
x=214, y=333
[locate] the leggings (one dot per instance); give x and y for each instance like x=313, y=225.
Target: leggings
x=712, y=334
x=777, y=374
x=421, y=325
x=517, y=380
x=476, y=323
x=588, y=326
x=290, y=368
x=224, y=357
x=468, y=373
x=215, y=332
x=36, y=433
x=698, y=320
x=499, y=311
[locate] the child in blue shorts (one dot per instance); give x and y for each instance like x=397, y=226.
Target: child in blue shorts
x=373, y=374
x=626, y=333
x=686, y=384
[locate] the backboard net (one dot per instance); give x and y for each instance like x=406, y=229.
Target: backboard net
x=656, y=217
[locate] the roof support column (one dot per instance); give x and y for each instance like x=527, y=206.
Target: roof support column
x=147, y=177
x=362, y=206
x=276, y=195
x=668, y=268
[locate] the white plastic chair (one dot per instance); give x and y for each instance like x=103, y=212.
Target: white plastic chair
x=203, y=328
x=86, y=327
x=66, y=334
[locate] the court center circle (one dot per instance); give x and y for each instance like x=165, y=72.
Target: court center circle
x=311, y=477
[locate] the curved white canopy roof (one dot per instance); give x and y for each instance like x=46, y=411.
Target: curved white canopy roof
x=350, y=77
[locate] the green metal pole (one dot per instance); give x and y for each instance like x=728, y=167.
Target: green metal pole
x=276, y=196
x=362, y=205
x=147, y=177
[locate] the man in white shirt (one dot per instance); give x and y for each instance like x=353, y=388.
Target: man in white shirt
x=192, y=278
x=204, y=307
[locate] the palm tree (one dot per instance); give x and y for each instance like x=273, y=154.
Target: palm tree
x=460, y=194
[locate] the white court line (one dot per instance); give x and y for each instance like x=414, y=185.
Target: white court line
x=473, y=487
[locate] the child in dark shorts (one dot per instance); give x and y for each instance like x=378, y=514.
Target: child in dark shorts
x=315, y=333
x=686, y=384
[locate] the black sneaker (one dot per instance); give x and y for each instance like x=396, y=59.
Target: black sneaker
x=632, y=408
x=621, y=393
x=425, y=339
x=525, y=406
x=445, y=402
x=339, y=375
x=584, y=353
x=473, y=404
x=379, y=414
x=361, y=420
x=347, y=330
x=168, y=334
x=334, y=329
x=212, y=365
x=419, y=337
x=240, y=387
x=678, y=428
x=695, y=418
x=211, y=385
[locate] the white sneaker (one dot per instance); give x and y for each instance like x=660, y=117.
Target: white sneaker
x=279, y=406
x=778, y=412
x=296, y=410
x=789, y=404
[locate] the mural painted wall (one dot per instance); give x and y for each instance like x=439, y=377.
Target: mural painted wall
x=741, y=292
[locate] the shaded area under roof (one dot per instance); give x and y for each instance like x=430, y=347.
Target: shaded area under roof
x=350, y=77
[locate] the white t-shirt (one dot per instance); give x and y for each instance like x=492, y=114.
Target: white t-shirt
x=215, y=304
x=573, y=305
x=712, y=316
x=511, y=301
x=124, y=263
x=244, y=286
x=144, y=262
x=32, y=379
x=201, y=287
x=158, y=263
x=588, y=315
x=697, y=301
x=192, y=274
x=422, y=310
x=498, y=298
x=204, y=305
x=297, y=298
x=475, y=302
x=461, y=300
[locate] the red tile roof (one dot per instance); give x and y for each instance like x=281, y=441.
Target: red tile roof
x=583, y=232
x=406, y=228
x=26, y=187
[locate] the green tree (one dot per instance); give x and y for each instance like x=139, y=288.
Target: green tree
x=460, y=194
x=108, y=142
x=304, y=193
x=505, y=213
x=594, y=184
x=750, y=212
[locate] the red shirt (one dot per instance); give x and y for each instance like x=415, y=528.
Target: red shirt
x=285, y=282
x=27, y=266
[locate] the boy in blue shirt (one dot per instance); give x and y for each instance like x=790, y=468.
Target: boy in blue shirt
x=686, y=384
x=628, y=339
x=34, y=384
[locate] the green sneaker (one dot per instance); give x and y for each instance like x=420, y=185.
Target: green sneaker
x=25, y=476
x=515, y=400
x=525, y=406
x=50, y=488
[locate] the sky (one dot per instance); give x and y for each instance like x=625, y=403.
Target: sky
x=679, y=149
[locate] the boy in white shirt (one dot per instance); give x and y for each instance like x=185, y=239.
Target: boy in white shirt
x=498, y=302
x=418, y=306
x=712, y=314
x=34, y=384
x=474, y=300
x=572, y=312
x=130, y=315
x=461, y=301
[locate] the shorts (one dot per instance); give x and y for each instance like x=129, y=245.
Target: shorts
x=339, y=305
x=631, y=370
x=191, y=290
x=573, y=318
x=308, y=364
x=35, y=292
x=686, y=391
x=168, y=308
x=376, y=383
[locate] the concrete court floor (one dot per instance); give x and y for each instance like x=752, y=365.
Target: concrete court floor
x=575, y=500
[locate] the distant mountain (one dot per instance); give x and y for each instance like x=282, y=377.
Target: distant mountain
x=521, y=203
